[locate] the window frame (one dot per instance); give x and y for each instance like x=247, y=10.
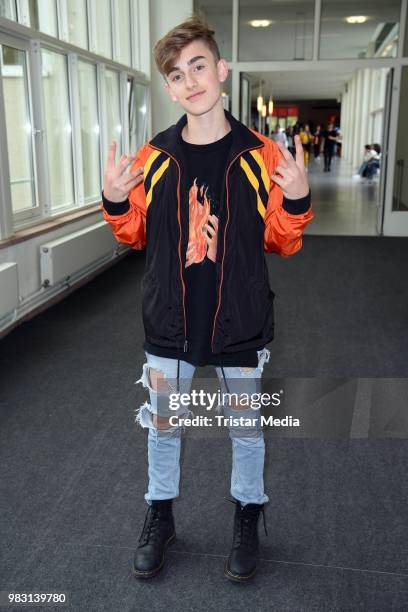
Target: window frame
x=32, y=42
x=20, y=218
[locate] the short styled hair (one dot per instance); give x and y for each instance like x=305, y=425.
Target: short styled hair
x=167, y=49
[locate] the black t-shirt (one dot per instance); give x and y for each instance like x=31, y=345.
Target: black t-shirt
x=205, y=171
x=329, y=144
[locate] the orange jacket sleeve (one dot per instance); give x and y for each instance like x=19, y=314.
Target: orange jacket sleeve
x=130, y=226
x=283, y=230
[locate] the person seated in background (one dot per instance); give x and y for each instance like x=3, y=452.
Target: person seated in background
x=373, y=164
x=369, y=153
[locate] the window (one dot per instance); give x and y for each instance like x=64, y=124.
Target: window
x=275, y=30
x=58, y=129
x=102, y=28
x=77, y=23
x=90, y=132
x=19, y=128
x=42, y=15
x=114, y=125
x=8, y=9
x=373, y=31
x=137, y=93
x=123, y=32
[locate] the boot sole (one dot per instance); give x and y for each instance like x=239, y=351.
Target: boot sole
x=237, y=577
x=153, y=572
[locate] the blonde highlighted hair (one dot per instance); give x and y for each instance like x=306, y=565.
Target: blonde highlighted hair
x=167, y=49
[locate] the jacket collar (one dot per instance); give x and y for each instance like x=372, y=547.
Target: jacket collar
x=242, y=137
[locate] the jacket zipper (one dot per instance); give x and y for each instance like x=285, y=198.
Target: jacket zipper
x=179, y=247
x=225, y=242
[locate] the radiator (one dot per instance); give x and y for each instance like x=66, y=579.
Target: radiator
x=64, y=257
x=9, y=288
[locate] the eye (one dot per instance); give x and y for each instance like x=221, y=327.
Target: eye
x=176, y=78
x=200, y=66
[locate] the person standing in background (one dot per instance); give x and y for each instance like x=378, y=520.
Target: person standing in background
x=317, y=141
x=330, y=138
x=306, y=140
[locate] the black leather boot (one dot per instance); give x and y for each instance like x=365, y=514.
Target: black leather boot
x=157, y=533
x=243, y=559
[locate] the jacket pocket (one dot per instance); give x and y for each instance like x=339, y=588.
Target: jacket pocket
x=157, y=310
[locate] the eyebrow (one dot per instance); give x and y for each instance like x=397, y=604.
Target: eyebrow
x=191, y=61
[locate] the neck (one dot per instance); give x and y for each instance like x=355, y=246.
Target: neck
x=208, y=127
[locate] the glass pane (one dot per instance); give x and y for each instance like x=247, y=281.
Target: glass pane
x=58, y=128
x=7, y=9
x=19, y=129
x=103, y=28
x=137, y=114
x=124, y=28
x=77, y=25
x=359, y=29
x=43, y=16
x=219, y=17
x=400, y=195
x=276, y=30
x=114, y=125
x=89, y=131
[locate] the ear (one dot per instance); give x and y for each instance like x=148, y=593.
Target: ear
x=222, y=69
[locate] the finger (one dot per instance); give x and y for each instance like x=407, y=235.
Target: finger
x=132, y=181
x=112, y=155
x=209, y=229
x=285, y=152
x=279, y=181
x=131, y=176
x=213, y=221
x=125, y=161
x=300, y=157
x=281, y=169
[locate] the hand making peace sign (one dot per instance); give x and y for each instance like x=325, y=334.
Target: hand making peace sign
x=118, y=183
x=290, y=174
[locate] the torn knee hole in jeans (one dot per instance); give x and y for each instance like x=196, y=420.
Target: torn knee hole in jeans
x=246, y=370
x=155, y=380
x=146, y=418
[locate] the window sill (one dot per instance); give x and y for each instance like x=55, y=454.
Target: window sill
x=45, y=226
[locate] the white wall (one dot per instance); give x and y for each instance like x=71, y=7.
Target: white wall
x=362, y=112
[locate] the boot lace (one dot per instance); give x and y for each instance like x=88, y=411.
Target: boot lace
x=151, y=525
x=245, y=523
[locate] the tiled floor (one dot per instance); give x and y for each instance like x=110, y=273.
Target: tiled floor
x=343, y=206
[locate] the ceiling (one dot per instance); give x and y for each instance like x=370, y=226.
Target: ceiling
x=300, y=85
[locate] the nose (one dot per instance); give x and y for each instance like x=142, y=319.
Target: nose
x=191, y=82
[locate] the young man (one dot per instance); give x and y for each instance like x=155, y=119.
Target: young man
x=207, y=197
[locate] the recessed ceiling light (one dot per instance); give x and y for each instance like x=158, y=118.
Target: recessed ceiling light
x=356, y=19
x=260, y=23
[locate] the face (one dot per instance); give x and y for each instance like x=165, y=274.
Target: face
x=196, y=72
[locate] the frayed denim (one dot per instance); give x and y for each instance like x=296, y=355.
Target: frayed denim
x=248, y=446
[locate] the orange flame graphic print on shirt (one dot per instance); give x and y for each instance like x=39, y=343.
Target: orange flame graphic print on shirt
x=198, y=216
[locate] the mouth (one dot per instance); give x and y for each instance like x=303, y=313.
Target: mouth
x=195, y=96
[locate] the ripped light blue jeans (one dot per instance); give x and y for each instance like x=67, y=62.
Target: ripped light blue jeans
x=164, y=441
